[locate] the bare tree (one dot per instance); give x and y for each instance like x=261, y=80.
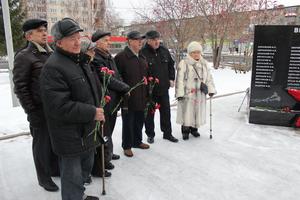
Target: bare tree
x=113, y=21
x=174, y=20
x=227, y=16
x=98, y=13
x=90, y=14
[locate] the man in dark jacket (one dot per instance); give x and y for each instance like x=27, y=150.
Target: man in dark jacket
x=161, y=66
x=26, y=74
x=71, y=101
x=116, y=89
x=133, y=67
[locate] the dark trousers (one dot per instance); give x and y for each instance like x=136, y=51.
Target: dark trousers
x=110, y=146
x=132, y=125
x=165, y=116
x=74, y=171
x=45, y=161
x=109, y=126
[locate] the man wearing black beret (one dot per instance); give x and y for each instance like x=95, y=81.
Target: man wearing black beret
x=71, y=102
x=161, y=66
x=116, y=89
x=132, y=66
x=28, y=64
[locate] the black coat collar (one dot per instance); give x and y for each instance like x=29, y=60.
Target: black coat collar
x=130, y=54
x=147, y=46
x=74, y=57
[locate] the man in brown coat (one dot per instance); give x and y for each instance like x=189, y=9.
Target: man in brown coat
x=133, y=68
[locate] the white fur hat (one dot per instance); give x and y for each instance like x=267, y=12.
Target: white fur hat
x=194, y=46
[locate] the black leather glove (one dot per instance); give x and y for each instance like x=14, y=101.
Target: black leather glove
x=180, y=98
x=211, y=94
x=204, y=88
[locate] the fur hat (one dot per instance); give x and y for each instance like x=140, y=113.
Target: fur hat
x=194, y=46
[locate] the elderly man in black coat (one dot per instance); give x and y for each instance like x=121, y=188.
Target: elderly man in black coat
x=71, y=102
x=26, y=74
x=116, y=89
x=161, y=66
x=133, y=67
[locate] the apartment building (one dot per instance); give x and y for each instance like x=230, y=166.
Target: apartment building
x=90, y=14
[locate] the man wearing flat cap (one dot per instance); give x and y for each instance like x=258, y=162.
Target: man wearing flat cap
x=161, y=66
x=133, y=67
x=71, y=104
x=116, y=89
x=28, y=64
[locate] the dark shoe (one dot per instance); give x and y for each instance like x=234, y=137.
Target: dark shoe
x=115, y=157
x=99, y=174
x=170, y=138
x=91, y=198
x=88, y=180
x=150, y=140
x=109, y=166
x=143, y=146
x=185, y=136
x=195, y=134
x=49, y=186
x=128, y=153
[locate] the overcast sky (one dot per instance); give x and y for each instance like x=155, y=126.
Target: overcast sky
x=127, y=8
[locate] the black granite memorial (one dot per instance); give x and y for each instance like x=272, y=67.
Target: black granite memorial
x=275, y=83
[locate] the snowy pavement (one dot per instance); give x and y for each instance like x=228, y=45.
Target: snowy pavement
x=242, y=162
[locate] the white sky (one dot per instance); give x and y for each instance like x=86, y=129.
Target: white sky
x=127, y=8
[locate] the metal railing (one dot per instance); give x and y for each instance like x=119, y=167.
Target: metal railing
x=3, y=64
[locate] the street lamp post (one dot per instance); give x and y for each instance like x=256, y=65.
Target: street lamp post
x=9, y=47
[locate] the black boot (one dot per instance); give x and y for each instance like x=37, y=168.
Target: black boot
x=109, y=166
x=91, y=198
x=185, y=130
x=49, y=185
x=170, y=137
x=115, y=157
x=194, y=132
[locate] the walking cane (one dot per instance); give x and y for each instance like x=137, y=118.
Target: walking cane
x=102, y=160
x=210, y=119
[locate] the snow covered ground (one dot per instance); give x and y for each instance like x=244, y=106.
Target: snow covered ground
x=13, y=120
x=242, y=162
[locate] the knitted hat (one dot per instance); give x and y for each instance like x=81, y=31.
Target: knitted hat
x=194, y=46
x=87, y=44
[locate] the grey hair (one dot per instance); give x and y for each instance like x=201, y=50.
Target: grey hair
x=28, y=32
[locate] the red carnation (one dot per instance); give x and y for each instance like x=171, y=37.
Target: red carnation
x=157, y=106
x=107, y=99
x=145, y=80
x=150, y=78
x=110, y=72
x=104, y=70
x=157, y=80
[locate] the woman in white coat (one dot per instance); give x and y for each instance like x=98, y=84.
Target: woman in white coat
x=193, y=82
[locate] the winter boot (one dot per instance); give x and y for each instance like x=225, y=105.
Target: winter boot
x=185, y=130
x=194, y=132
